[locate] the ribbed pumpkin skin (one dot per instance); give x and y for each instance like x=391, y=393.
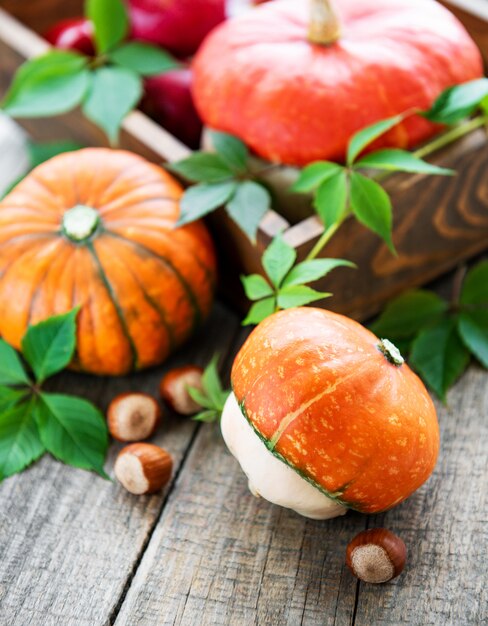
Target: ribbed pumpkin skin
x=351, y=421
x=292, y=102
x=142, y=285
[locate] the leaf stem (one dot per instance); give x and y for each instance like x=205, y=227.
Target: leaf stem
x=324, y=239
x=451, y=135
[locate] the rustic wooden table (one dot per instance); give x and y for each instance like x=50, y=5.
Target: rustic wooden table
x=76, y=550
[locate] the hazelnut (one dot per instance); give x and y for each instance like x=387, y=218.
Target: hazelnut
x=133, y=416
x=376, y=555
x=143, y=468
x=174, y=388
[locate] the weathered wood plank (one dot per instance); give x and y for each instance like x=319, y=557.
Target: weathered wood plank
x=445, y=527
x=69, y=540
x=220, y=556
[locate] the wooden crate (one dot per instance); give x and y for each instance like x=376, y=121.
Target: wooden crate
x=438, y=221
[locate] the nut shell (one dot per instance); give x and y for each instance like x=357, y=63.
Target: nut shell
x=133, y=416
x=376, y=555
x=174, y=388
x=143, y=468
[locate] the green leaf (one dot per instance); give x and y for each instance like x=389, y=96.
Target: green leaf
x=212, y=386
x=331, y=198
x=260, y=311
x=209, y=416
x=400, y=161
x=248, y=206
x=20, y=444
x=308, y=271
x=364, y=137
x=48, y=85
x=473, y=330
x=406, y=315
x=72, y=430
x=200, y=398
x=298, y=295
x=232, y=150
x=458, y=102
x=49, y=346
x=110, y=21
x=256, y=287
x=9, y=397
x=201, y=199
x=278, y=259
x=41, y=152
x=114, y=92
x=314, y=175
x=439, y=356
x=202, y=167
x=475, y=285
x=372, y=206
x=12, y=371
x=143, y=58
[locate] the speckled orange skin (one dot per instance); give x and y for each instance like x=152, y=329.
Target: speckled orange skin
x=142, y=285
x=316, y=384
x=293, y=102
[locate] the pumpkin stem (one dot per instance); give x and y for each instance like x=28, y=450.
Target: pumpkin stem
x=324, y=27
x=391, y=352
x=80, y=222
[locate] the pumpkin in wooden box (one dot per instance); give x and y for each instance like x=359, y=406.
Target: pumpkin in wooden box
x=96, y=229
x=295, y=84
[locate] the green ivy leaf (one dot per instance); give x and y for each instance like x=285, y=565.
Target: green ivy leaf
x=20, y=444
x=331, y=198
x=406, y=315
x=256, y=287
x=41, y=152
x=372, y=206
x=248, y=206
x=203, y=167
x=200, y=200
x=308, y=271
x=298, y=295
x=473, y=330
x=110, y=21
x=475, y=286
x=458, y=102
x=49, y=346
x=208, y=417
x=439, y=356
x=393, y=160
x=143, y=58
x=232, y=150
x=72, y=430
x=9, y=397
x=364, y=137
x=12, y=371
x=212, y=386
x=278, y=259
x=114, y=92
x=260, y=311
x=314, y=175
x=48, y=85
x=212, y=397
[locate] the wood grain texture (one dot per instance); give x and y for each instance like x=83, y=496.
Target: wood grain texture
x=220, y=556
x=69, y=541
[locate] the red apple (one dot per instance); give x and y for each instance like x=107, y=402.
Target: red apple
x=169, y=102
x=72, y=34
x=179, y=26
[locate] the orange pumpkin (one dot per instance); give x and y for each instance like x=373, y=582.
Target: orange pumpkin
x=95, y=228
x=339, y=406
x=295, y=89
